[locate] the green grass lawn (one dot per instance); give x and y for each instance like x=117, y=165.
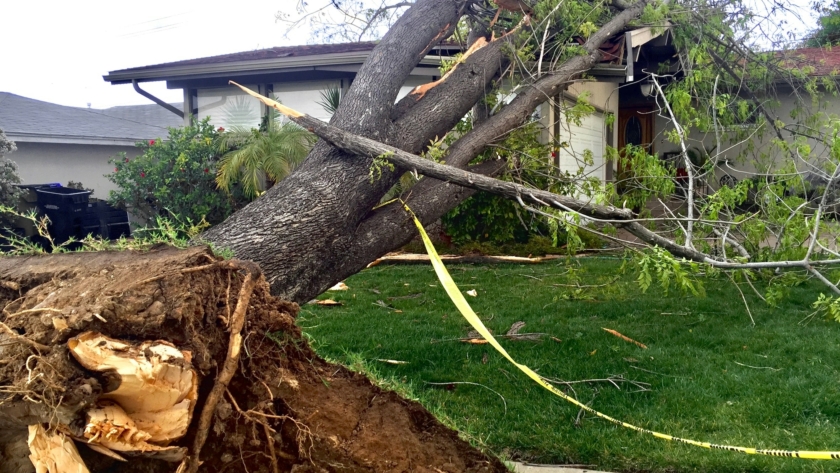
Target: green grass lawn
x=712, y=375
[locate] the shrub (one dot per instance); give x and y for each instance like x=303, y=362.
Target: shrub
x=9, y=193
x=174, y=178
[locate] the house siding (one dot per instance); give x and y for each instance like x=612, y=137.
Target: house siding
x=40, y=163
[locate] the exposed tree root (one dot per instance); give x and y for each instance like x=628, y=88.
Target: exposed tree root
x=81, y=332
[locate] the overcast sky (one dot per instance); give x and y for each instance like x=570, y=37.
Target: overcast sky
x=58, y=51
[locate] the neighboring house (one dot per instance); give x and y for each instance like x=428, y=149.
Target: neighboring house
x=61, y=144
x=643, y=121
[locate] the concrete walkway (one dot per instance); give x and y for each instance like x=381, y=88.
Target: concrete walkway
x=534, y=468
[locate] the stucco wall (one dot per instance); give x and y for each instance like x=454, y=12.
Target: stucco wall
x=743, y=161
x=40, y=163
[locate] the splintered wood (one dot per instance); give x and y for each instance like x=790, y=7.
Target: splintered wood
x=152, y=406
x=154, y=402
x=53, y=452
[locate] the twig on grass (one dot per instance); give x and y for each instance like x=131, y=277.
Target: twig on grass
x=473, y=384
x=614, y=380
x=758, y=367
x=746, y=304
x=581, y=412
x=231, y=362
x=623, y=337
x=660, y=374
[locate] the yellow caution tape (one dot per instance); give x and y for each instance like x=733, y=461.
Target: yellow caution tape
x=462, y=305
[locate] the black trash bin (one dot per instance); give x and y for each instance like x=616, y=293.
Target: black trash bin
x=65, y=208
x=105, y=221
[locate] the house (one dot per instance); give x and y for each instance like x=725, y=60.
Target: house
x=56, y=143
x=298, y=75
x=295, y=76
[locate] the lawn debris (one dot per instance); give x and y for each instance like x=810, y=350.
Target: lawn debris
x=410, y=296
x=625, y=338
x=475, y=338
x=758, y=367
x=391, y=362
x=383, y=304
x=328, y=303
x=411, y=258
x=472, y=292
x=339, y=287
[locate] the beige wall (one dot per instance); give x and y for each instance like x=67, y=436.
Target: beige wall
x=40, y=163
x=743, y=161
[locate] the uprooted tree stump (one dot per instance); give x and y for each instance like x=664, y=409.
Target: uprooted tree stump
x=170, y=360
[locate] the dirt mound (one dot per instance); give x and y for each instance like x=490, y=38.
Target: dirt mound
x=284, y=409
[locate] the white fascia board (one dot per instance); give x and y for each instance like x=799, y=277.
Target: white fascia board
x=259, y=66
x=71, y=140
x=648, y=33
x=418, y=71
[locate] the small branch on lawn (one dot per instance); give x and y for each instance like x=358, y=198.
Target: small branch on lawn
x=471, y=384
x=746, y=304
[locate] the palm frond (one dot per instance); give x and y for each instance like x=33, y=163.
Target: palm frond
x=264, y=156
x=330, y=99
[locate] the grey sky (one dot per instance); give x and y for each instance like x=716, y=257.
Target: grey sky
x=57, y=51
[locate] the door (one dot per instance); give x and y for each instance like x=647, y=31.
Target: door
x=581, y=142
x=635, y=127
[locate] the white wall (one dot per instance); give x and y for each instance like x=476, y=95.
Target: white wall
x=230, y=107
x=305, y=96
x=40, y=163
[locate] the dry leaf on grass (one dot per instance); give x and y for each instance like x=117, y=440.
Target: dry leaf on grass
x=472, y=292
x=328, y=303
x=339, y=287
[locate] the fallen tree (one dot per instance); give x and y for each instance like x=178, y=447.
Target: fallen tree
x=169, y=359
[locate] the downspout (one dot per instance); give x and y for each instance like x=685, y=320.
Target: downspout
x=156, y=100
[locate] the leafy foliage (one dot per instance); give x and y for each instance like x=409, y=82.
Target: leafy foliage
x=174, y=178
x=485, y=217
x=260, y=157
x=657, y=265
x=9, y=193
x=828, y=31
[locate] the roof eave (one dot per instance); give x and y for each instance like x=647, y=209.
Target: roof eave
x=144, y=74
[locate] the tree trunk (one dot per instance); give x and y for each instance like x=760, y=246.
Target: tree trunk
x=263, y=400
x=318, y=226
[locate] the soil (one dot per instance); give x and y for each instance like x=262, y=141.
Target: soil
x=286, y=410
